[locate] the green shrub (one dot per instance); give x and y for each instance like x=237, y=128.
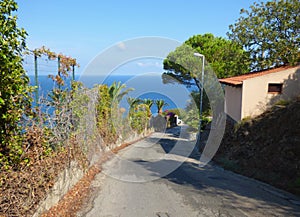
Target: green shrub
x=104, y=115
x=139, y=121
x=14, y=88
x=139, y=118
x=245, y=120
x=282, y=102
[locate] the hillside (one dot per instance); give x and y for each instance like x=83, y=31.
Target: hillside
x=266, y=148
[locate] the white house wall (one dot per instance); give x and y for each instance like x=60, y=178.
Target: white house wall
x=233, y=101
x=256, y=98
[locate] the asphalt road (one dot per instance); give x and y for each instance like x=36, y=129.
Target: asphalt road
x=159, y=177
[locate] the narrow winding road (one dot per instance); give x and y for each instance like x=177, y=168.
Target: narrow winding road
x=155, y=178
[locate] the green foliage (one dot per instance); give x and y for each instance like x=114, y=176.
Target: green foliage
x=149, y=103
x=61, y=98
x=223, y=58
x=14, y=89
x=282, y=102
x=139, y=113
x=182, y=67
x=133, y=102
x=115, y=92
x=104, y=114
x=245, y=121
x=191, y=117
x=176, y=111
x=270, y=32
x=205, y=121
x=195, y=101
x=160, y=103
x=139, y=119
x=78, y=104
x=226, y=58
x=191, y=114
x=109, y=117
x=66, y=63
x=57, y=98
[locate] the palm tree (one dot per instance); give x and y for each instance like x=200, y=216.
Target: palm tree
x=115, y=92
x=160, y=103
x=149, y=103
x=133, y=102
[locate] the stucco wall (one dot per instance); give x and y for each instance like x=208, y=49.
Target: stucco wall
x=233, y=101
x=256, y=98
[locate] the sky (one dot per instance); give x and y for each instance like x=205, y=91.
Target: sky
x=83, y=29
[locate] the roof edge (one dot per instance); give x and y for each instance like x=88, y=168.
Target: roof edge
x=238, y=80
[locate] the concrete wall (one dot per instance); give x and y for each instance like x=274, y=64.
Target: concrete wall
x=73, y=173
x=65, y=181
x=256, y=98
x=233, y=101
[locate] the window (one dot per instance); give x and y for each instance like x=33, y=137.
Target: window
x=275, y=88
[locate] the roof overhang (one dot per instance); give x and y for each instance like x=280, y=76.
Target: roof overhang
x=238, y=80
x=230, y=82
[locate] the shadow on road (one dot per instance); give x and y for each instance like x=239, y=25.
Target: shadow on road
x=242, y=193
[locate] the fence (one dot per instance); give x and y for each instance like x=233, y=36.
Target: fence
x=41, y=64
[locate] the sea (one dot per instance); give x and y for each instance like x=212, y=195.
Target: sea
x=148, y=86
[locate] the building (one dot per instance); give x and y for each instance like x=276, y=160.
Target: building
x=252, y=93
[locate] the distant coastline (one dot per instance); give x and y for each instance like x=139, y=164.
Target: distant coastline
x=145, y=87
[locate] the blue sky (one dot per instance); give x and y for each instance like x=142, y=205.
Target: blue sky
x=82, y=29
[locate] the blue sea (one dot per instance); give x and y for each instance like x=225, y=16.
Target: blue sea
x=145, y=86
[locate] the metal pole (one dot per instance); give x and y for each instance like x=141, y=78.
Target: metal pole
x=201, y=98
x=36, y=81
x=58, y=72
x=73, y=72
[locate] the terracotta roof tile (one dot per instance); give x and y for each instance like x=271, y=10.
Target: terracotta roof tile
x=238, y=80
